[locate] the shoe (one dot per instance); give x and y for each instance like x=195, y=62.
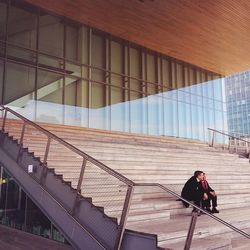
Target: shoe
x=215, y=211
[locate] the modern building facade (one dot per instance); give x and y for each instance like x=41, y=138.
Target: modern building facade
x=238, y=102
x=59, y=69
x=55, y=70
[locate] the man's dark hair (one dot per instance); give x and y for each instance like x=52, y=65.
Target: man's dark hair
x=197, y=172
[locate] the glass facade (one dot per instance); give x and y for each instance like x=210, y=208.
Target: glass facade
x=18, y=211
x=56, y=71
x=238, y=102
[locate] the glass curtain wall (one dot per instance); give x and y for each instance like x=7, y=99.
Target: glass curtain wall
x=18, y=211
x=56, y=71
x=238, y=103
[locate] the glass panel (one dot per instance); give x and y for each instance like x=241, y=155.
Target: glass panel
x=36, y=221
x=3, y=14
x=98, y=55
x=18, y=211
x=21, y=55
x=51, y=38
x=99, y=113
x=153, y=114
x=73, y=69
x=22, y=27
x=136, y=107
x=51, y=63
x=19, y=85
x=72, y=43
x=117, y=109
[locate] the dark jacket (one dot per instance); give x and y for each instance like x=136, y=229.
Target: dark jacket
x=192, y=189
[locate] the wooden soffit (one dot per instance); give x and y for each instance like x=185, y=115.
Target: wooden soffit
x=212, y=34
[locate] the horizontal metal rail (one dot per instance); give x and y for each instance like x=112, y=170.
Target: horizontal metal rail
x=66, y=211
x=193, y=205
x=227, y=134
x=120, y=177
x=72, y=148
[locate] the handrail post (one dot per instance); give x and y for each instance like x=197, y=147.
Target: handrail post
x=44, y=171
x=21, y=141
x=22, y=134
x=213, y=135
x=191, y=231
x=79, y=185
x=124, y=216
x=236, y=144
x=4, y=119
x=229, y=143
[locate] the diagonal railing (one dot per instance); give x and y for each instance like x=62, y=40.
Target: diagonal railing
x=234, y=140
x=88, y=169
x=99, y=173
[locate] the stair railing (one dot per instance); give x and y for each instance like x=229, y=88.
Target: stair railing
x=120, y=183
x=236, y=141
x=130, y=185
x=194, y=214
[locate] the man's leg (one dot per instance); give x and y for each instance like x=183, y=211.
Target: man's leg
x=214, y=203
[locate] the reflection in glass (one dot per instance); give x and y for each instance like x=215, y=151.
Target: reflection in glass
x=18, y=211
x=22, y=27
x=18, y=92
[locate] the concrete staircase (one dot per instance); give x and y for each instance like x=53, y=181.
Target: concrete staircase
x=146, y=159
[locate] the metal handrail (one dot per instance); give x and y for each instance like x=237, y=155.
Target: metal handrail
x=122, y=178
x=72, y=148
x=129, y=183
x=193, y=205
x=66, y=211
x=227, y=134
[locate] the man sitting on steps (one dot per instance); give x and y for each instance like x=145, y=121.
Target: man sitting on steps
x=192, y=190
x=210, y=196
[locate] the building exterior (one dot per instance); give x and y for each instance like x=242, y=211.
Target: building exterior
x=56, y=69
x=92, y=79
x=238, y=102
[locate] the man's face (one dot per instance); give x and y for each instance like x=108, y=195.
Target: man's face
x=200, y=176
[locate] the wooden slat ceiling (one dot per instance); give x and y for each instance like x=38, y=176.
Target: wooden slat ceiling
x=212, y=34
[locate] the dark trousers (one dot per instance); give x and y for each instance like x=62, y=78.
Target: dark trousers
x=207, y=203
x=195, y=197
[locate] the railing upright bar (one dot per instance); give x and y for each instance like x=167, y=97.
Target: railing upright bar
x=46, y=152
x=21, y=141
x=191, y=231
x=213, y=134
x=73, y=148
x=4, y=119
x=79, y=185
x=44, y=170
x=229, y=142
x=124, y=216
x=22, y=134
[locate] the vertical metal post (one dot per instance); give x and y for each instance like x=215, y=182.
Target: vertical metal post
x=213, y=135
x=235, y=145
x=229, y=143
x=44, y=171
x=191, y=231
x=89, y=75
x=124, y=216
x=46, y=152
x=21, y=141
x=22, y=134
x=4, y=119
x=79, y=185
